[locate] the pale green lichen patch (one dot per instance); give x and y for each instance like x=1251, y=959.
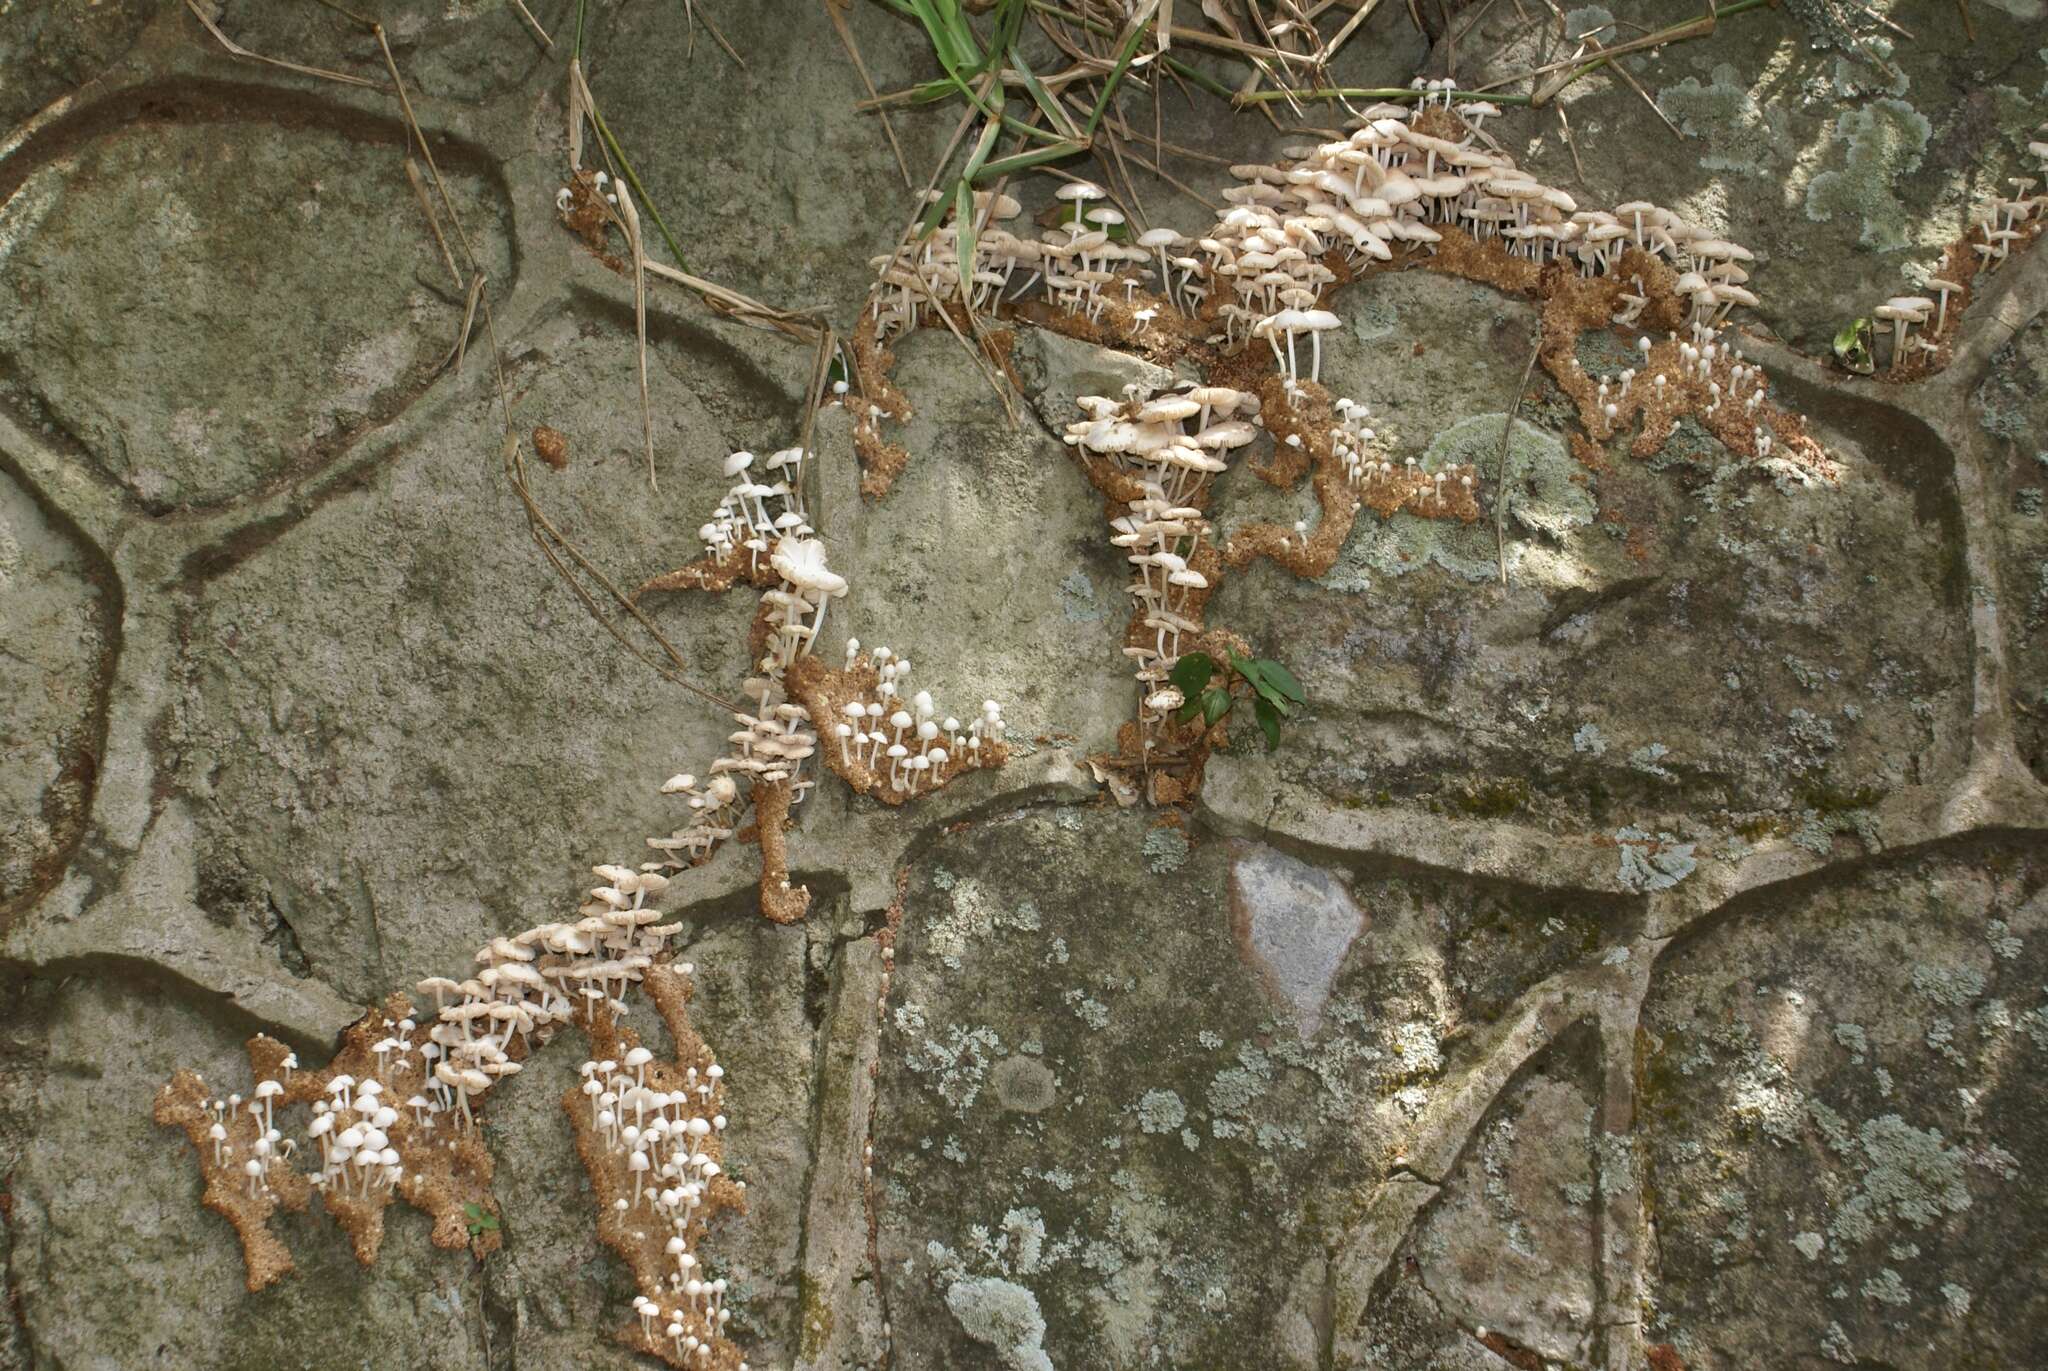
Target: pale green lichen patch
x=1160, y=1111
x=1004, y=1316
x=1911, y=1175
x=1881, y=144
x=1738, y=133
x=1653, y=862
x=1867, y=69
x=1165, y=849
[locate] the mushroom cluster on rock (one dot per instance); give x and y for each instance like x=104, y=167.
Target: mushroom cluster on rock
x=1402, y=188
x=1386, y=187
x=1402, y=185
x=918, y=745
x=651, y=1136
x=393, y=1115
x=2006, y=221
x=1079, y=262
x=1166, y=449
x=744, y=527
x=759, y=532
x=1999, y=228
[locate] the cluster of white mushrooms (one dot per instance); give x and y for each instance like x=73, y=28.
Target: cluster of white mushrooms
x=1172, y=444
x=1697, y=360
x=1999, y=224
x=1388, y=183
x=352, y=1127
x=270, y=1147
x=1357, y=448
x=1997, y=232
x=743, y=518
x=657, y=1136
x=1079, y=261
x=917, y=743
x=531, y=981
x=525, y=984
x=1377, y=191
x=765, y=519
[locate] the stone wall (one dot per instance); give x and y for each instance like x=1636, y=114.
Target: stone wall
x=1641, y=964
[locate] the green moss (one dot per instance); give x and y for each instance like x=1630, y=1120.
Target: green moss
x=1834, y=799
x=1491, y=799
x=1762, y=826
x=817, y=1318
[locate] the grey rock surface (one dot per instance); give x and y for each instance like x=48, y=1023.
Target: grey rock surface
x=1637, y=965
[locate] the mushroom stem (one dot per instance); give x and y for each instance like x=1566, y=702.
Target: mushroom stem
x=817, y=624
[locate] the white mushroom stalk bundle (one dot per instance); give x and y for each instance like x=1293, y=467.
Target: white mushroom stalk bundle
x=763, y=506
x=263, y=1148
x=651, y=1134
x=1081, y=264
x=351, y=1130
x=1998, y=229
x=656, y=1136
x=771, y=743
x=392, y=1115
x=531, y=981
x=924, y=275
x=904, y=739
x=2003, y=226
x=1389, y=187
x=1431, y=492
x=1381, y=189
x=1171, y=446
x=775, y=736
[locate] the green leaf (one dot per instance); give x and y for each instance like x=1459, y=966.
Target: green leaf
x=474, y=1211
x=1281, y=679
x=1248, y=671
x=936, y=211
x=1189, y=710
x=1192, y=672
x=979, y=156
x=1270, y=696
x=1215, y=704
x=1852, y=346
x=1024, y=161
x=1269, y=721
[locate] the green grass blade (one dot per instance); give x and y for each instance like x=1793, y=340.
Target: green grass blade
x=1126, y=51
x=1022, y=161
x=1055, y=116
x=963, y=231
